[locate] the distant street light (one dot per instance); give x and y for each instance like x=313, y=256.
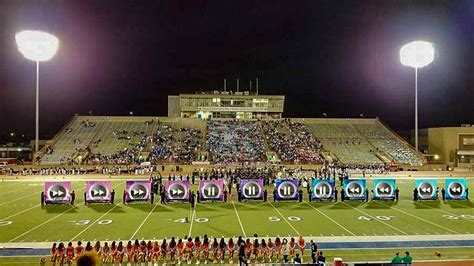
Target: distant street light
x=417, y=54
x=37, y=46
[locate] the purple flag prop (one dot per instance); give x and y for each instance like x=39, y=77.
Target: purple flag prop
x=98, y=191
x=137, y=190
x=177, y=190
x=211, y=190
x=57, y=192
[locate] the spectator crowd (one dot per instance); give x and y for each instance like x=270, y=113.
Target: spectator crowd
x=293, y=141
x=232, y=141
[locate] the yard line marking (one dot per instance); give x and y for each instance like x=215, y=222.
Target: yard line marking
x=375, y=219
x=347, y=230
x=419, y=218
x=238, y=218
x=143, y=222
x=285, y=219
x=90, y=225
x=72, y=208
x=43, y=223
x=17, y=199
x=29, y=195
x=193, y=214
x=11, y=191
x=25, y=210
x=446, y=211
x=7, y=186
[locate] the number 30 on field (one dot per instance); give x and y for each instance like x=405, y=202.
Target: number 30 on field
x=455, y=217
x=86, y=222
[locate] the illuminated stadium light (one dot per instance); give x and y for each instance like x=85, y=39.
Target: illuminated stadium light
x=37, y=45
x=417, y=54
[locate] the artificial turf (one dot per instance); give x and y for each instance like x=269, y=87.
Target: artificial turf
x=22, y=219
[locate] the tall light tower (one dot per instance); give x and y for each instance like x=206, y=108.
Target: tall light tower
x=37, y=46
x=417, y=54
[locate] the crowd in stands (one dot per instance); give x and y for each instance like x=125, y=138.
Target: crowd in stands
x=235, y=141
x=188, y=250
x=293, y=141
x=399, y=152
x=267, y=172
x=230, y=142
x=129, y=155
x=171, y=144
x=76, y=170
x=337, y=169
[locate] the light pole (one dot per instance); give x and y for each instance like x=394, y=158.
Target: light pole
x=37, y=46
x=417, y=54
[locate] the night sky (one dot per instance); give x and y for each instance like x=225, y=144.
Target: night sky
x=337, y=57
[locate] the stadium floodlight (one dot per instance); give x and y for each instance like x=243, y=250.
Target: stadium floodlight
x=417, y=54
x=37, y=46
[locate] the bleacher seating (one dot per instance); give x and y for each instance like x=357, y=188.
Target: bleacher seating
x=115, y=136
x=172, y=142
x=352, y=151
x=292, y=141
x=383, y=140
x=131, y=140
x=73, y=139
x=235, y=141
x=342, y=139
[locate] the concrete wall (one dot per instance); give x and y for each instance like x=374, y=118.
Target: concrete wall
x=174, y=109
x=444, y=141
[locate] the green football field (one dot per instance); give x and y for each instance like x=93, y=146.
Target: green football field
x=22, y=219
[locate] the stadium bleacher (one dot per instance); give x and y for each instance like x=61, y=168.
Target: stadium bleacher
x=383, y=140
x=73, y=139
x=363, y=141
x=292, y=141
x=173, y=143
x=235, y=141
x=118, y=140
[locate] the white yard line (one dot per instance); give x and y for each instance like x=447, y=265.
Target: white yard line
x=25, y=210
x=20, y=198
x=36, y=193
x=7, y=186
x=193, y=214
x=347, y=230
x=13, y=215
x=285, y=219
x=34, y=228
x=238, y=218
x=12, y=191
x=470, y=220
x=419, y=218
x=85, y=229
x=43, y=223
x=143, y=222
x=375, y=219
